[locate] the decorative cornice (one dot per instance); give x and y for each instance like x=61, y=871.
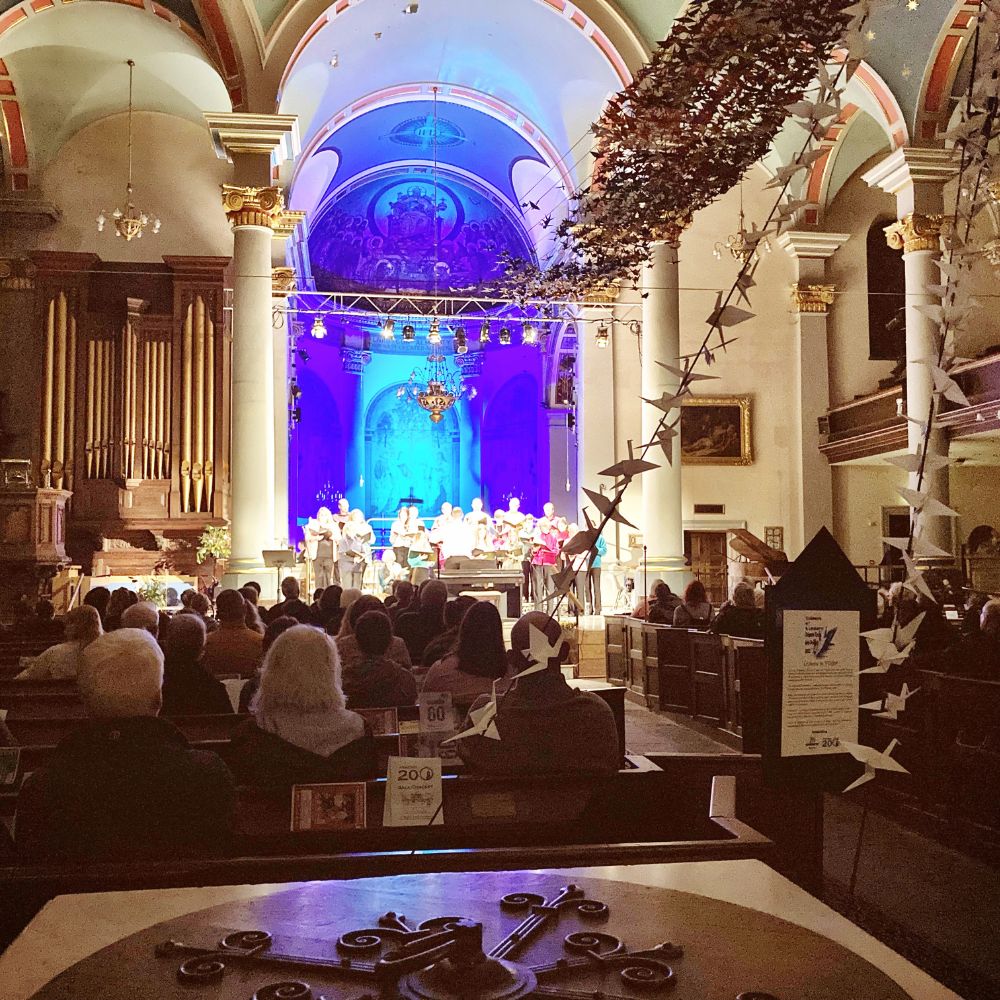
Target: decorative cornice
x=275, y=136
x=912, y=165
x=250, y=206
x=603, y=294
x=916, y=232
x=813, y=298
x=285, y=224
x=471, y=364
x=282, y=282
x=353, y=360
x=17, y=274
x=811, y=244
x=28, y=213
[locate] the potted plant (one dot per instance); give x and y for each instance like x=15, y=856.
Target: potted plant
x=214, y=548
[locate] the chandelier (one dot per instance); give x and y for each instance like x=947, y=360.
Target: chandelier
x=436, y=388
x=743, y=245
x=130, y=221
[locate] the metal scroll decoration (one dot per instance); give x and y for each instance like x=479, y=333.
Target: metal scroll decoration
x=445, y=957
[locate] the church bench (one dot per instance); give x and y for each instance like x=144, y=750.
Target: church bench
x=708, y=678
x=10, y=686
x=28, y=704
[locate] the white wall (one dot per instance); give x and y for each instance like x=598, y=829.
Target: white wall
x=859, y=494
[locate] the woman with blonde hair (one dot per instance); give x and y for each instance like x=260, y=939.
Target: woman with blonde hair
x=59, y=663
x=301, y=729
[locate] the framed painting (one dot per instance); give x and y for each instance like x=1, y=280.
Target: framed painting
x=715, y=430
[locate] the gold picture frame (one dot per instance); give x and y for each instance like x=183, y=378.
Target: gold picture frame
x=715, y=430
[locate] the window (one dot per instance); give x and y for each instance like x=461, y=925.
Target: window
x=886, y=297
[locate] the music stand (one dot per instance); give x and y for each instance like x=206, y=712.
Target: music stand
x=276, y=559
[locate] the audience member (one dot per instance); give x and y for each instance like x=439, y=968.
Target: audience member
x=234, y=649
x=454, y=612
x=976, y=654
x=125, y=783
x=347, y=643
x=271, y=632
x=98, y=598
x=740, y=616
x=292, y=605
x=41, y=623
x=418, y=627
x=696, y=611
x=544, y=725
x=188, y=688
x=376, y=681
x=329, y=614
x=58, y=663
x=142, y=615
x=121, y=599
x=302, y=730
x=477, y=660
x=199, y=604
x=251, y=616
x=663, y=604
x=251, y=593
x=403, y=591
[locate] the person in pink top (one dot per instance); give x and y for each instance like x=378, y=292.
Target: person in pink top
x=546, y=548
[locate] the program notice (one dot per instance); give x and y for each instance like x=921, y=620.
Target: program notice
x=819, y=696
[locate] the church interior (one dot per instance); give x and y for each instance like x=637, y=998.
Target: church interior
x=570, y=427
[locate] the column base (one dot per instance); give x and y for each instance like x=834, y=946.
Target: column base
x=672, y=570
x=238, y=576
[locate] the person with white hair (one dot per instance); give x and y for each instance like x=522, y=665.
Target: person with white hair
x=740, y=616
x=142, y=615
x=301, y=729
x=59, y=663
x=125, y=783
x=188, y=687
x=976, y=655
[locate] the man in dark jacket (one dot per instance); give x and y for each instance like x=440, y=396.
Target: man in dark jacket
x=188, y=688
x=291, y=605
x=125, y=784
x=544, y=725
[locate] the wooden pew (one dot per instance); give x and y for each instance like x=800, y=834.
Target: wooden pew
x=707, y=677
x=616, y=648
x=9, y=686
x=676, y=678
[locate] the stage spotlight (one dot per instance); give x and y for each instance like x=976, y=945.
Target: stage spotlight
x=484, y=332
x=318, y=328
x=303, y=355
x=411, y=8
x=296, y=414
x=529, y=334
x=409, y=334
x=295, y=390
x=603, y=336
x=389, y=329
x=505, y=335
x=434, y=332
x=461, y=341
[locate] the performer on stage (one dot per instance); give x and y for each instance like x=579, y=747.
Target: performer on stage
x=322, y=536
x=388, y=570
x=354, y=551
x=343, y=514
x=525, y=535
x=503, y=542
x=421, y=555
x=442, y=519
x=514, y=517
x=546, y=546
x=478, y=522
x=399, y=535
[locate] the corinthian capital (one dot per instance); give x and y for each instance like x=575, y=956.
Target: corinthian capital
x=251, y=206
x=916, y=232
x=812, y=298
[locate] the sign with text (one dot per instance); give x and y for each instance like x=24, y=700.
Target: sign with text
x=436, y=712
x=339, y=806
x=819, y=691
x=413, y=792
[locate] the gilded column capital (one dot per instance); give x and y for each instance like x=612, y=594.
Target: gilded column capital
x=605, y=294
x=354, y=360
x=17, y=274
x=813, y=298
x=282, y=282
x=916, y=231
x=251, y=206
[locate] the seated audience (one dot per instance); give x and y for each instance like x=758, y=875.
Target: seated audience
x=403, y=593
x=142, y=615
x=740, y=616
x=41, y=623
x=98, y=598
x=477, y=660
x=292, y=605
x=347, y=643
x=933, y=633
x=329, y=614
x=978, y=654
x=188, y=688
x=59, y=663
x=276, y=628
x=121, y=599
x=376, y=681
x=695, y=611
x=125, y=783
x=663, y=605
x=200, y=605
x=233, y=650
x=454, y=612
x=301, y=729
x=418, y=627
x=545, y=725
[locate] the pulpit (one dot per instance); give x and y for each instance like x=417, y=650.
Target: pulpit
x=33, y=525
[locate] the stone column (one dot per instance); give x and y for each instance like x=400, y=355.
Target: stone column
x=562, y=463
x=354, y=361
x=662, y=511
x=812, y=487
x=282, y=285
x=596, y=389
x=916, y=178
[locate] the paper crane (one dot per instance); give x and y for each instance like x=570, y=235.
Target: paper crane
x=540, y=650
x=608, y=507
x=685, y=374
x=665, y=439
x=628, y=467
x=584, y=540
x=563, y=581
x=890, y=646
x=668, y=401
x=920, y=547
x=915, y=578
x=890, y=706
x=925, y=503
x=483, y=722
x=873, y=761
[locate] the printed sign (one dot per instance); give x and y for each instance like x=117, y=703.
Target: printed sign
x=413, y=792
x=382, y=721
x=819, y=697
x=328, y=807
x=436, y=712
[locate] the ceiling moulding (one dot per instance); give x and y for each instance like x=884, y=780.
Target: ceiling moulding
x=241, y=133
x=28, y=213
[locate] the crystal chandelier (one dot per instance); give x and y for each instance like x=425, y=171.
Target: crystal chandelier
x=742, y=245
x=130, y=221
x=436, y=388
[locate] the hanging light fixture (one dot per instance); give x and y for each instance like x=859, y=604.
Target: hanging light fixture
x=409, y=334
x=436, y=388
x=434, y=332
x=603, y=336
x=505, y=335
x=388, y=331
x=529, y=334
x=484, y=332
x=130, y=222
x=743, y=245
x=461, y=341
x=318, y=327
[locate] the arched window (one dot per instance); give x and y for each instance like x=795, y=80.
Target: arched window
x=886, y=297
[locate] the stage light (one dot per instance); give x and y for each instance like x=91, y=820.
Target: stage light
x=318, y=328
x=461, y=341
x=529, y=334
x=411, y=8
x=295, y=390
x=603, y=337
x=334, y=61
x=505, y=335
x=484, y=332
x=303, y=355
x=434, y=332
x=409, y=334
x=389, y=329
